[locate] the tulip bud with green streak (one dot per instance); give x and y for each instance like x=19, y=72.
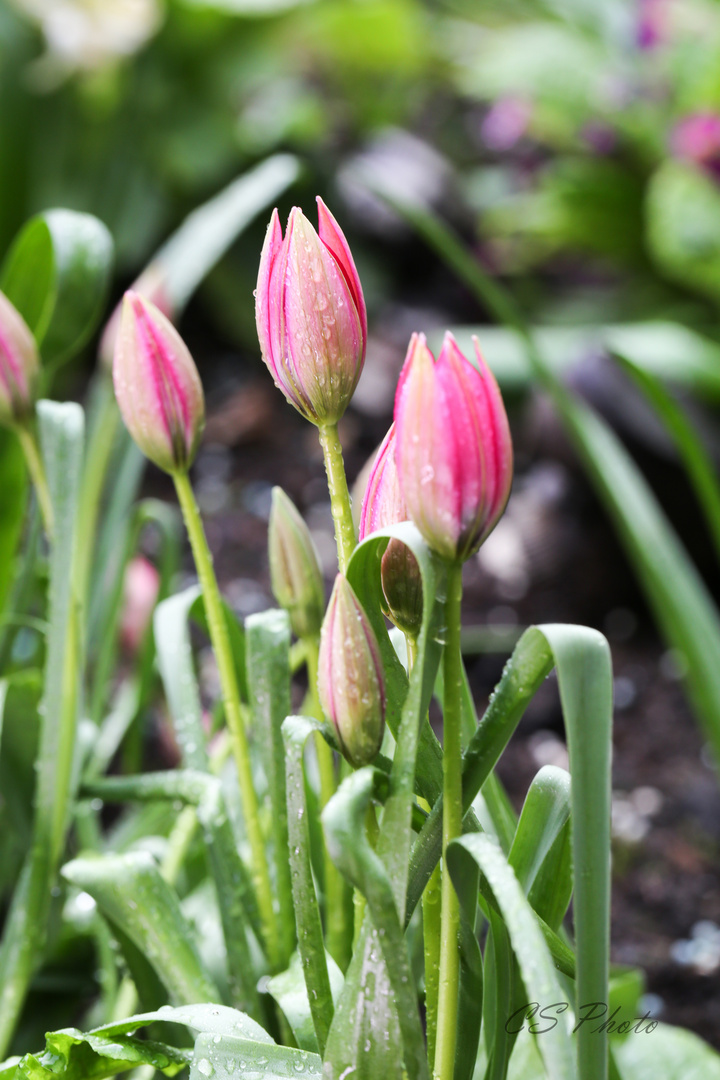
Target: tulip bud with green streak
x=19, y=365
x=351, y=682
x=295, y=573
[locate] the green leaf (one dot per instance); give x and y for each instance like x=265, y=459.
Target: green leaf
x=61, y=435
x=236, y=897
x=343, y=821
x=290, y=991
x=534, y=960
x=224, y=1057
x=13, y=490
x=57, y=274
x=177, y=671
x=526, y=669
x=209, y=231
x=267, y=645
x=697, y=462
x=130, y=891
x=544, y=814
x=296, y=730
x=667, y=350
x=74, y=1056
x=666, y=1053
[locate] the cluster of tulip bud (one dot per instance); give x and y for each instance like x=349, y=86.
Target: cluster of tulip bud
x=445, y=464
x=19, y=366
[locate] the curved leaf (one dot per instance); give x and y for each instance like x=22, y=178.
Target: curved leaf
x=290, y=991
x=223, y=1057
x=130, y=891
x=534, y=960
x=57, y=274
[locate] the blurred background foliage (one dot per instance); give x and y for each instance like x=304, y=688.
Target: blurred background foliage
x=577, y=143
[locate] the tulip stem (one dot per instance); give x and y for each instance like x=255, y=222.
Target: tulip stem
x=336, y=890
x=339, y=494
x=217, y=627
x=444, y=1065
x=33, y=460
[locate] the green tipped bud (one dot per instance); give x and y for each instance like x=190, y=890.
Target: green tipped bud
x=295, y=574
x=350, y=676
x=19, y=366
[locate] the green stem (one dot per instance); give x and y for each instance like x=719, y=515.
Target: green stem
x=33, y=460
x=337, y=893
x=444, y=1065
x=339, y=494
x=231, y=701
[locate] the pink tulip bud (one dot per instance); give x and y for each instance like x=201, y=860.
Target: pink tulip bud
x=151, y=285
x=19, y=365
x=350, y=676
x=157, y=386
x=310, y=314
x=453, y=449
x=383, y=505
x=140, y=593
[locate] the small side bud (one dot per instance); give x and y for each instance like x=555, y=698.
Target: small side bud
x=383, y=505
x=350, y=676
x=295, y=573
x=19, y=365
x=157, y=386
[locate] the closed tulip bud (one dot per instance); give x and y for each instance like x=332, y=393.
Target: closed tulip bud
x=310, y=314
x=350, y=676
x=383, y=505
x=157, y=386
x=19, y=365
x=151, y=285
x=295, y=573
x=453, y=448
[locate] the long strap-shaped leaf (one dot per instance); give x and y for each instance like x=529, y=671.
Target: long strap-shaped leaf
x=296, y=731
x=343, y=820
x=267, y=650
x=61, y=431
x=534, y=960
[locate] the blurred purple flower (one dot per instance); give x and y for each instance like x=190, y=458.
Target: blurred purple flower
x=652, y=24
x=506, y=123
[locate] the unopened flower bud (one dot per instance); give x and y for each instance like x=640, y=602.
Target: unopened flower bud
x=157, y=386
x=350, y=676
x=19, y=365
x=295, y=573
x=383, y=505
x=310, y=314
x=151, y=285
x=140, y=593
x=453, y=449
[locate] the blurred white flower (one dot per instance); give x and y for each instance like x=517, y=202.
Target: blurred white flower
x=87, y=35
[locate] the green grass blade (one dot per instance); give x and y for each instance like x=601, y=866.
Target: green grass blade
x=693, y=455
x=267, y=651
x=545, y=811
x=296, y=731
x=61, y=433
x=290, y=992
x=130, y=891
